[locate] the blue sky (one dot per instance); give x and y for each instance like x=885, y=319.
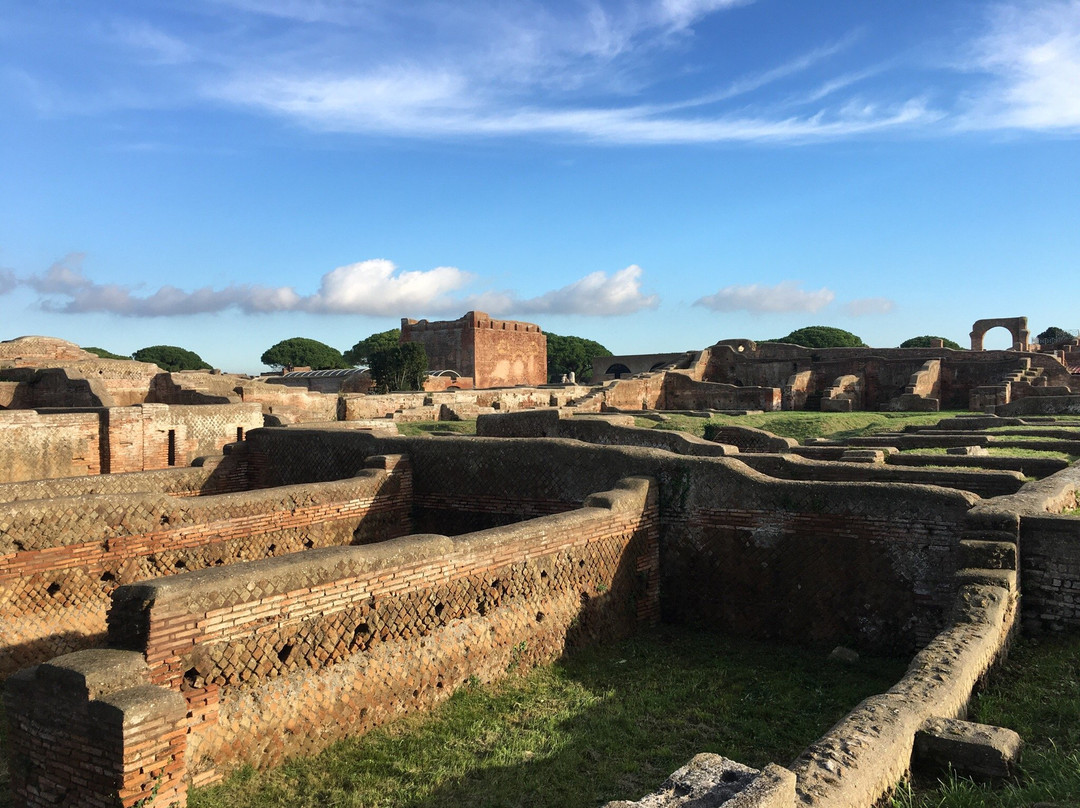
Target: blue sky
x=656, y=175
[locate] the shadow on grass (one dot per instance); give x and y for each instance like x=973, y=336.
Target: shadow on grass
x=607, y=723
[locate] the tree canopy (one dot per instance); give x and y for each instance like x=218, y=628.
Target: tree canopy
x=1054, y=336
x=303, y=352
x=170, y=358
x=104, y=354
x=821, y=336
x=399, y=367
x=925, y=342
x=361, y=352
x=571, y=355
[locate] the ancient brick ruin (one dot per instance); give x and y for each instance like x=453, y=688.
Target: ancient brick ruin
x=302, y=583
x=487, y=352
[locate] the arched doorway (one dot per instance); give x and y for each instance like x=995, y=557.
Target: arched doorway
x=617, y=371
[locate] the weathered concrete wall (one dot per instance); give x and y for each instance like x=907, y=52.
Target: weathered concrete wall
x=266, y=654
x=494, y=353
x=61, y=558
x=37, y=446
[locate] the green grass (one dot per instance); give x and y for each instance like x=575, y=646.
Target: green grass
x=806, y=425
x=1002, y=451
x=608, y=723
x=427, y=427
x=1036, y=693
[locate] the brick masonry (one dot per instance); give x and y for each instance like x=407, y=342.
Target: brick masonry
x=286, y=655
x=60, y=559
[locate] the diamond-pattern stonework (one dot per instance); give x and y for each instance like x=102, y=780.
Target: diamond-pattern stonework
x=61, y=559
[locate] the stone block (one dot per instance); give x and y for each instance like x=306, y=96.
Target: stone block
x=975, y=750
x=709, y=781
x=973, y=451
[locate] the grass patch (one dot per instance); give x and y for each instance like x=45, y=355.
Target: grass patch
x=427, y=427
x=1001, y=451
x=608, y=723
x=1036, y=693
x=806, y=425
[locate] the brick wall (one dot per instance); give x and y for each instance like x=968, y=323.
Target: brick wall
x=61, y=558
x=267, y=654
x=494, y=353
x=885, y=552
x=1050, y=568
x=36, y=446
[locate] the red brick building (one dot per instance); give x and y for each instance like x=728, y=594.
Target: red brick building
x=493, y=353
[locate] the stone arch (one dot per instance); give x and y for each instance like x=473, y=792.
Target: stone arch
x=1017, y=326
x=617, y=370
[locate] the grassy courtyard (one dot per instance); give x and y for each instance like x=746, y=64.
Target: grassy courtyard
x=610, y=722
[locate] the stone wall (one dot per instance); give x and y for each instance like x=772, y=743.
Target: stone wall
x=681, y=392
x=266, y=655
x=61, y=558
x=866, y=563
x=48, y=444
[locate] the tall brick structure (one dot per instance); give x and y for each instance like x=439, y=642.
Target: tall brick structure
x=493, y=353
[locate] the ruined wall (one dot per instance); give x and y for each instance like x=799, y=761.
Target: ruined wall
x=866, y=563
x=45, y=446
x=681, y=392
x=50, y=444
x=266, y=654
x=494, y=353
x=886, y=372
x=61, y=558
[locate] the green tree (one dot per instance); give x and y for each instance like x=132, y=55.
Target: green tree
x=925, y=342
x=1054, y=336
x=360, y=353
x=104, y=354
x=399, y=367
x=571, y=355
x=303, y=352
x=821, y=336
x=170, y=358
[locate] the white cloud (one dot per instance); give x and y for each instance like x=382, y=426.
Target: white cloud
x=868, y=306
x=377, y=287
x=595, y=294
x=374, y=287
x=1032, y=53
x=786, y=296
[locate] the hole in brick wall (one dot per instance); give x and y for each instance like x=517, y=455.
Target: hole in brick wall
x=543, y=573
x=164, y=519
x=481, y=608
x=581, y=563
x=54, y=587
x=19, y=545
x=219, y=562
x=439, y=609
x=285, y=653
x=106, y=577
x=271, y=548
x=584, y=597
x=192, y=678
x=308, y=543
x=172, y=448
x=415, y=693
x=181, y=564
x=539, y=617
x=495, y=583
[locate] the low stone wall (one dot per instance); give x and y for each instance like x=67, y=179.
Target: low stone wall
x=682, y=392
x=266, y=654
x=617, y=430
x=36, y=446
x=61, y=558
x=793, y=467
x=863, y=563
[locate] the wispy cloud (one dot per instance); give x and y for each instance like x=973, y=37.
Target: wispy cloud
x=596, y=294
x=867, y=306
x=7, y=281
x=1031, y=53
x=786, y=296
x=375, y=287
